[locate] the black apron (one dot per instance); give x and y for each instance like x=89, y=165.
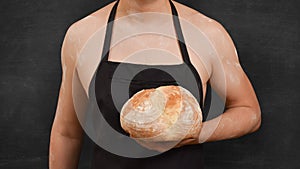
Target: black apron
x=131, y=78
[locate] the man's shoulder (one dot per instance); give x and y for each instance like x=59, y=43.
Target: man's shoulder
x=208, y=25
x=80, y=31
x=93, y=20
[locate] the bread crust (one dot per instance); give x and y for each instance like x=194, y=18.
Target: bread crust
x=166, y=113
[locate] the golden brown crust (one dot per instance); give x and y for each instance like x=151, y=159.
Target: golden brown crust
x=167, y=113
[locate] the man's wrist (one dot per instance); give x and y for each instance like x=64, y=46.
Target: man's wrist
x=202, y=136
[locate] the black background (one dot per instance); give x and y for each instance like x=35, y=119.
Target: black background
x=266, y=35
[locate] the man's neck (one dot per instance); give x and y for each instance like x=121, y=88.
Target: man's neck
x=127, y=7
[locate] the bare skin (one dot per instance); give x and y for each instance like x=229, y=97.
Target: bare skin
x=242, y=115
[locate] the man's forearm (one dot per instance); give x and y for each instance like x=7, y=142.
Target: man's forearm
x=233, y=123
x=64, y=152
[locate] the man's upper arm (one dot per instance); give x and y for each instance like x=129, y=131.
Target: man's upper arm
x=66, y=118
x=228, y=77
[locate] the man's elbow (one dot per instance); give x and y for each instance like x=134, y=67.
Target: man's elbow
x=256, y=120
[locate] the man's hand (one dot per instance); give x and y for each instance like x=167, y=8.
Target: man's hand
x=166, y=145
x=194, y=139
x=157, y=146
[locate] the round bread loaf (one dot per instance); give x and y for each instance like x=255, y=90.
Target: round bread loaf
x=166, y=113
